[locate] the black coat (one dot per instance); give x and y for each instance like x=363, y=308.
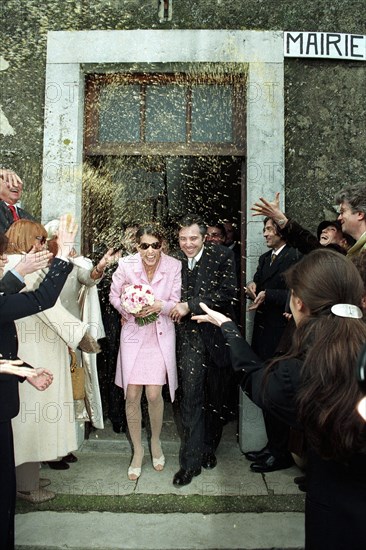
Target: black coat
x=10, y=284
x=336, y=492
x=6, y=217
x=299, y=237
x=215, y=286
x=14, y=307
x=269, y=322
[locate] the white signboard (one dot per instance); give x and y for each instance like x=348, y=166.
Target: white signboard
x=328, y=45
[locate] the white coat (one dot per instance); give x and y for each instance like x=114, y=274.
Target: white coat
x=45, y=426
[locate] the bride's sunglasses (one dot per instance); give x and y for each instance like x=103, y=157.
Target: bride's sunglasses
x=145, y=246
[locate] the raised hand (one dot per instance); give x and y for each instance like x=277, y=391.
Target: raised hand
x=271, y=209
x=10, y=177
x=33, y=261
x=110, y=257
x=66, y=235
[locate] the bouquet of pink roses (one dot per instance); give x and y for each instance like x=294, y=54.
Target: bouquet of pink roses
x=134, y=298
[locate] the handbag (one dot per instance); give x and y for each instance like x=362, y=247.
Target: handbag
x=77, y=377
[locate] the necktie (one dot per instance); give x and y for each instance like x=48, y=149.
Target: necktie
x=273, y=257
x=14, y=212
x=191, y=263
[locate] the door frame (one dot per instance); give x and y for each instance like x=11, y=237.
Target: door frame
x=72, y=54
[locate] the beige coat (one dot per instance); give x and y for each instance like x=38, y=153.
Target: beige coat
x=80, y=297
x=45, y=426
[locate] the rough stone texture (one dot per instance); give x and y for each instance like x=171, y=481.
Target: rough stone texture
x=325, y=134
x=324, y=100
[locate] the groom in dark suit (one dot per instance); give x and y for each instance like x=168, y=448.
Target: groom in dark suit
x=11, y=188
x=208, y=275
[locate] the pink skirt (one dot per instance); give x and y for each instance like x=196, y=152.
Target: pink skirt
x=149, y=367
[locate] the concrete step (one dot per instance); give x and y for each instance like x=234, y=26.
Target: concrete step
x=98, y=508
x=110, y=531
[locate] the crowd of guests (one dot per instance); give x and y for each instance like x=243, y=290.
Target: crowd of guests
x=307, y=296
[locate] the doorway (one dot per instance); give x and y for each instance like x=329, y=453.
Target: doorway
x=161, y=145
x=120, y=191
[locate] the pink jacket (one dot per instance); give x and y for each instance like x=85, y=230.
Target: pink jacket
x=166, y=285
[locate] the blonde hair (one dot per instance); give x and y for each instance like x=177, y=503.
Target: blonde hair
x=22, y=234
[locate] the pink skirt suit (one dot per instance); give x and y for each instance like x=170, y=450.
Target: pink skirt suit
x=147, y=354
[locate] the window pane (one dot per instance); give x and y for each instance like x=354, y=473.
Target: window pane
x=166, y=113
x=119, y=119
x=212, y=114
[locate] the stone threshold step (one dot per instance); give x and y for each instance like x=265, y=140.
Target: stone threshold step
x=110, y=531
x=168, y=504
x=100, y=446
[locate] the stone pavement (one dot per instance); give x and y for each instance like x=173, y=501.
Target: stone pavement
x=97, y=507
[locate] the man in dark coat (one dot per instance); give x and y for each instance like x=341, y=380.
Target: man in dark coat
x=11, y=188
x=208, y=275
x=269, y=291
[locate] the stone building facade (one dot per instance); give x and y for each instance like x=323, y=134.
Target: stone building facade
x=297, y=125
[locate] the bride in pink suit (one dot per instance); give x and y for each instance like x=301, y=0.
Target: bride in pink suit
x=147, y=353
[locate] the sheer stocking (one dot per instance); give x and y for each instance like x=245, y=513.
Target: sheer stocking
x=133, y=414
x=156, y=411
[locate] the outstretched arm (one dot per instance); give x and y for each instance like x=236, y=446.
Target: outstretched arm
x=15, y=368
x=16, y=306
x=294, y=234
x=33, y=261
x=210, y=316
x=109, y=258
x=273, y=390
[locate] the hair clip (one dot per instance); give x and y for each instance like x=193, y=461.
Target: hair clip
x=347, y=310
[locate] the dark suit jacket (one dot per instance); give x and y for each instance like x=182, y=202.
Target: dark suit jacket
x=6, y=218
x=14, y=307
x=215, y=286
x=269, y=322
x=236, y=249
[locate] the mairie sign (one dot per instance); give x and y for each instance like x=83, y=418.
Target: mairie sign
x=328, y=45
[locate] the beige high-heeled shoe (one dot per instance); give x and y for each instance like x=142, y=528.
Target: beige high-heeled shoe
x=134, y=473
x=159, y=463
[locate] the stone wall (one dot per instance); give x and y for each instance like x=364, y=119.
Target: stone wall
x=325, y=103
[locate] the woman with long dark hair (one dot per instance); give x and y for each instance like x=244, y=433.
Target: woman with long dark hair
x=314, y=387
